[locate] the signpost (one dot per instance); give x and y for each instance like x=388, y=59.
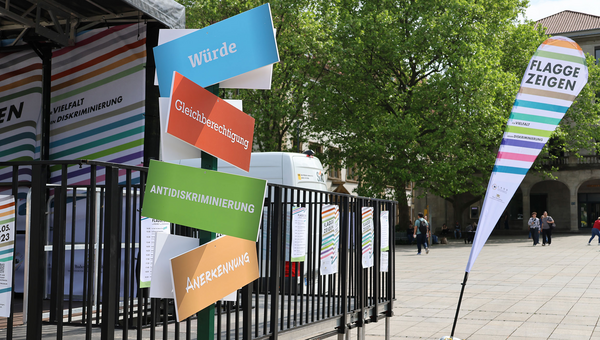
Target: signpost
x=202, y=119
x=211, y=272
x=220, y=51
x=187, y=196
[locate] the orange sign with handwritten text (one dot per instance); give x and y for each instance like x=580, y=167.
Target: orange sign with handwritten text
x=198, y=117
x=210, y=272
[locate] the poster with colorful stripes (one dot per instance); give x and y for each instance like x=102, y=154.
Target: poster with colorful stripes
x=330, y=235
x=20, y=108
x=367, y=237
x=554, y=77
x=7, y=249
x=97, y=101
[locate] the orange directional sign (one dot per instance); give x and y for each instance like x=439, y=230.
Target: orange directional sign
x=208, y=122
x=210, y=272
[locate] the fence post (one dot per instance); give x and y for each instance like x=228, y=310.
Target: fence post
x=36, y=233
x=344, y=249
x=112, y=246
x=275, y=263
x=360, y=281
x=247, y=311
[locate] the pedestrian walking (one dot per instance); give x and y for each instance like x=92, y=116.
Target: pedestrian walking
x=421, y=233
x=534, y=228
x=547, y=225
x=595, y=232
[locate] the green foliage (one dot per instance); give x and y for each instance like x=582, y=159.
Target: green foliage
x=279, y=113
x=420, y=91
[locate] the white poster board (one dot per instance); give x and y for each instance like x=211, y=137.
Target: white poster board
x=167, y=247
x=384, y=262
x=384, y=218
x=150, y=227
x=299, y=234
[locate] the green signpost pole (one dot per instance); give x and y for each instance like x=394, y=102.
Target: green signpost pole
x=206, y=317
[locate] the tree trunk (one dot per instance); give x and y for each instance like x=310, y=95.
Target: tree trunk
x=403, y=209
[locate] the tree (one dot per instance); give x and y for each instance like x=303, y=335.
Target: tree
x=279, y=113
x=420, y=91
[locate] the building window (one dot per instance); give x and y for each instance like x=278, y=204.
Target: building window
x=597, y=53
x=351, y=174
x=316, y=148
x=334, y=172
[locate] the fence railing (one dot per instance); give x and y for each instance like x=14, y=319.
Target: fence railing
x=78, y=223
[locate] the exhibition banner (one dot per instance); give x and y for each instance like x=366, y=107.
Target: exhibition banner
x=20, y=109
x=210, y=272
x=299, y=234
x=368, y=233
x=554, y=77
x=7, y=249
x=199, y=118
x=221, y=51
x=330, y=238
x=149, y=228
x=98, y=101
x=204, y=199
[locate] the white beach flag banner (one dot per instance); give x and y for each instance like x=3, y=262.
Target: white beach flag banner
x=554, y=77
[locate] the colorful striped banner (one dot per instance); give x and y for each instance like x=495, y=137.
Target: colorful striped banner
x=330, y=235
x=98, y=102
x=554, y=77
x=368, y=233
x=7, y=250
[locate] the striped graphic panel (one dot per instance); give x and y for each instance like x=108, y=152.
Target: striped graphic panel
x=98, y=92
x=330, y=235
x=368, y=233
x=7, y=250
x=554, y=77
x=20, y=108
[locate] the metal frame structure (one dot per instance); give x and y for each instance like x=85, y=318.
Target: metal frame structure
x=288, y=297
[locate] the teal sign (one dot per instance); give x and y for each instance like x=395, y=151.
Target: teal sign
x=220, y=51
x=204, y=199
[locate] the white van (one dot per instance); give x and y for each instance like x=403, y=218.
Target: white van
x=287, y=168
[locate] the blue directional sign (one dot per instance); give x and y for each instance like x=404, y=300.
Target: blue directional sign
x=220, y=51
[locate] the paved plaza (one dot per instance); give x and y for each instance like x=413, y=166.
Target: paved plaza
x=515, y=291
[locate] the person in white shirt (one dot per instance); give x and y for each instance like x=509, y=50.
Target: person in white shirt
x=534, y=227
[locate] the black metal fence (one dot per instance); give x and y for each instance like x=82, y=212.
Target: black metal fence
x=82, y=270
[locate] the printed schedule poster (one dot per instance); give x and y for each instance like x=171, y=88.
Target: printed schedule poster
x=384, y=263
x=299, y=234
x=330, y=236
x=367, y=237
x=7, y=249
x=384, y=218
x=150, y=227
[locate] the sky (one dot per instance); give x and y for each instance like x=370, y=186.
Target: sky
x=539, y=9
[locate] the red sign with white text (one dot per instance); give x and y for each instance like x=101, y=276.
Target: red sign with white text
x=198, y=117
